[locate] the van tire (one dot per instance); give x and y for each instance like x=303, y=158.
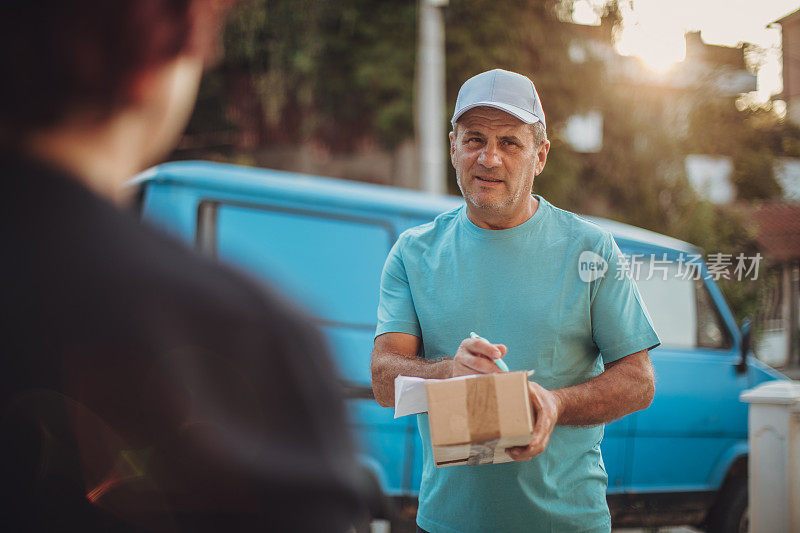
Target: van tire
x=377, y=505
x=730, y=513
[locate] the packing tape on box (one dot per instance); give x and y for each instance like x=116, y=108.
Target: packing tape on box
x=482, y=454
x=484, y=420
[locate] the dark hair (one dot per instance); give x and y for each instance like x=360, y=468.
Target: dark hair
x=65, y=56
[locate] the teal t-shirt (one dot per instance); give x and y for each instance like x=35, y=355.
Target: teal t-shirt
x=521, y=287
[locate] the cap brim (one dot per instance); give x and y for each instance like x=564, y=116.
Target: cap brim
x=525, y=116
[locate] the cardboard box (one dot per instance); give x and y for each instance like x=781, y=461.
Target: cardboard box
x=473, y=419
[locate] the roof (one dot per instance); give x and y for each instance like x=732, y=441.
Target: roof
x=784, y=18
x=636, y=234
x=714, y=54
x=779, y=230
x=346, y=193
x=293, y=185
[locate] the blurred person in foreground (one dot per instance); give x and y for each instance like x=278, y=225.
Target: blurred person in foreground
x=506, y=264
x=142, y=387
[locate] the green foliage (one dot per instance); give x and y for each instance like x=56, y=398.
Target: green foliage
x=339, y=72
x=209, y=113
x=754, y=175
x=754, y=139
x=365, y=72
x=562, y=175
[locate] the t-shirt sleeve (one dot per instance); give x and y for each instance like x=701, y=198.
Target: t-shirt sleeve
x=621, y=324
x=396, y=312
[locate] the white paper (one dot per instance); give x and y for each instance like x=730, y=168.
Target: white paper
x=409, y=396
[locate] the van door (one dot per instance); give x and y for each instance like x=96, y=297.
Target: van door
x=329, y=263
x=696, y=415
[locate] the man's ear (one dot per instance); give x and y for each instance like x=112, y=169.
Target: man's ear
x=541, y=157
x=452, y=148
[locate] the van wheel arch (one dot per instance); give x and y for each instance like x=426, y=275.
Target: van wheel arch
x=378, y=504
x=730, y=508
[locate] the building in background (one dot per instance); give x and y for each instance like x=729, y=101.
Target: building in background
x=779, y=239
x=790, y=37
x=710, y=175
x=779, y=224
x=666, y=99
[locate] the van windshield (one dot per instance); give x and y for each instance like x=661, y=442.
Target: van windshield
x=679, y=303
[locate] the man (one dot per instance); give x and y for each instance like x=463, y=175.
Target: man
x=142, y=387
x=506, y=264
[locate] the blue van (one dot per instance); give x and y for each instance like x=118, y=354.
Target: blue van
x=323, y=242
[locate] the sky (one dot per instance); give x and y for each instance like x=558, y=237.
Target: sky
x=653, y=30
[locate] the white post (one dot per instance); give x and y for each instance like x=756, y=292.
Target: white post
x=774, y=457
x=430, y=104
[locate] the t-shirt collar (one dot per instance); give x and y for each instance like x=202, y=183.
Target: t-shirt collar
x=502, y=234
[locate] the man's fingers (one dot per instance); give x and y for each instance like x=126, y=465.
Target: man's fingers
x=539, y=442
x=542, y=427
x=537, y=446
x=523, y=453
x=479, y=364
x=476, y=355
x=536, y=402
x=484, y=347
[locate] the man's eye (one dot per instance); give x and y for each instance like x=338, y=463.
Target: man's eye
x=474, y=140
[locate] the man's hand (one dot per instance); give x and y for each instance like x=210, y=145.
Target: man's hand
x=626, y=385
x=546, y=410
x=476, y=356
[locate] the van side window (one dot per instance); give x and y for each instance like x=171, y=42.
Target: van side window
x=711, y=332
x=683, y=313
x=331, y=264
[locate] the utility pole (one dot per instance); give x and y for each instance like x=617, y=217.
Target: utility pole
x=430, y=104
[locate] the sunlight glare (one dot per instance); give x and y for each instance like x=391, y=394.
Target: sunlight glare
x=653, y=34
x=659, y=50
x=584, y=12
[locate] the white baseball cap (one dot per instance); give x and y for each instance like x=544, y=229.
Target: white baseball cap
x=503, y=90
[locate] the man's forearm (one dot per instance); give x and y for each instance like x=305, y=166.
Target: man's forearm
x=623, y=388
x=387, y=366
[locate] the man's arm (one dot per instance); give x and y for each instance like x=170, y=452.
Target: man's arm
x=626, y=385
x=396, y=354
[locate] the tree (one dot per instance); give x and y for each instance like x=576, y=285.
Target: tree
x=336, y=72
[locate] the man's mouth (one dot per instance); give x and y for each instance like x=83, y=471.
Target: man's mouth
x=488, y=180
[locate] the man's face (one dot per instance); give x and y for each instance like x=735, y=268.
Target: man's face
x=495, y=159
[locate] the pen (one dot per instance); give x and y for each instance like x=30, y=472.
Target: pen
x=499, y=362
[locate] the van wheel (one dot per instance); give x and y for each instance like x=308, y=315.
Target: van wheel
x=380, y=511
x=730, y=512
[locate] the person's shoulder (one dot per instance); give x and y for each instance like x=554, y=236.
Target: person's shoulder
x=578, y=227
x=430, y=231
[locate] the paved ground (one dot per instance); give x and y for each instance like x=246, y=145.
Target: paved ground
x=381, y=526
x=662, y=530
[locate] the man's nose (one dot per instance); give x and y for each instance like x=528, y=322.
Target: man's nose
x=489, y=156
